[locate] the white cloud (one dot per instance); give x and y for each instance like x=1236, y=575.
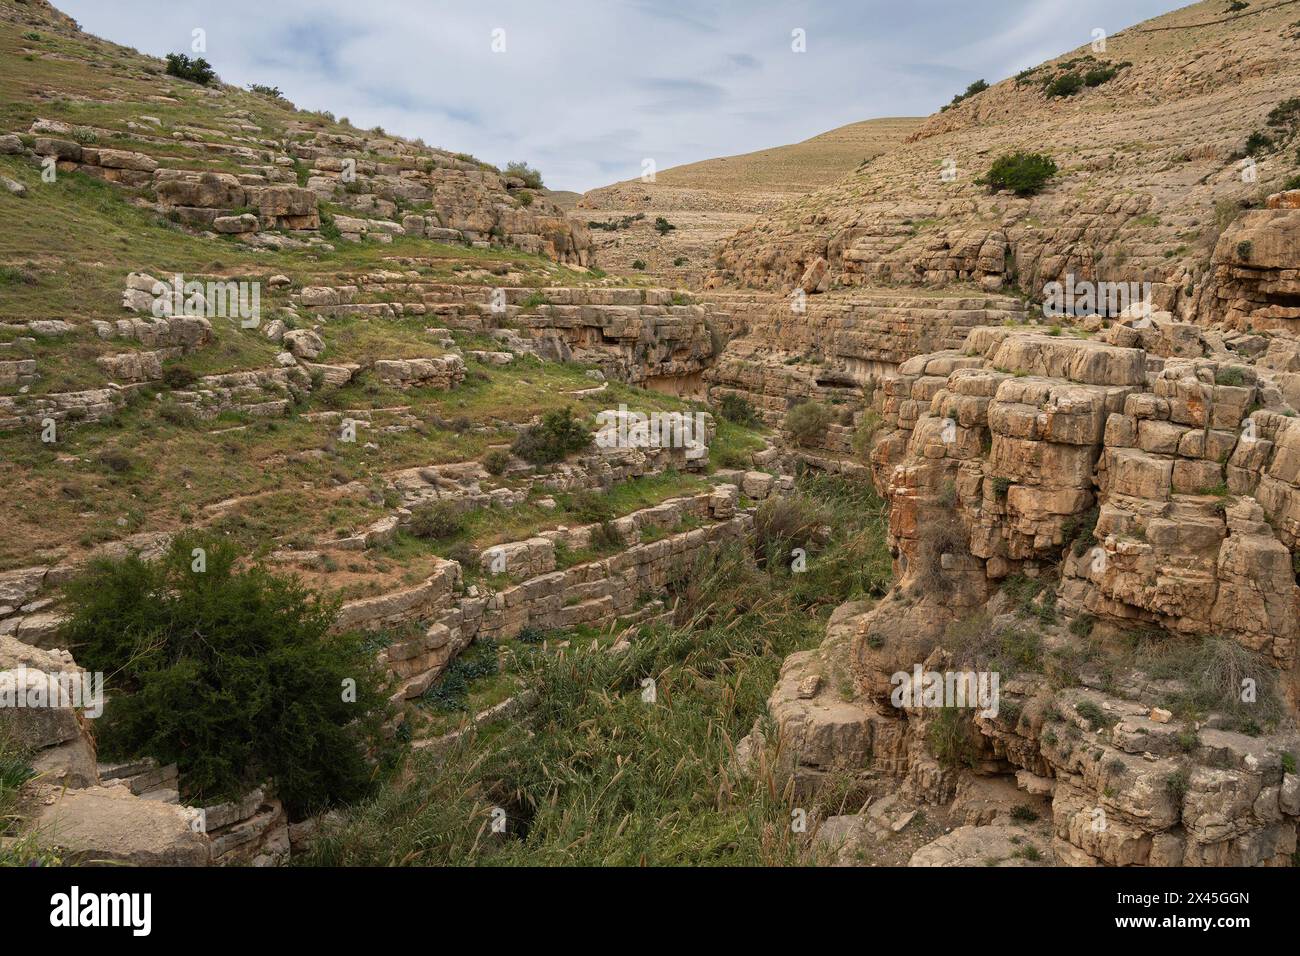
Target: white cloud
x=587, y=88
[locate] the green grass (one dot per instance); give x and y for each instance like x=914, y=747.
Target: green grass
x=595, y=776
x=14, y=772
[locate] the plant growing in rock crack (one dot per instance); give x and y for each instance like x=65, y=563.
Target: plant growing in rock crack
x=1025, y=174
x=436, y=520
x=559, y=434
x=807, y=423
x=1092, y=713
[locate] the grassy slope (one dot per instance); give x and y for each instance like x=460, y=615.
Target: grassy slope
x=67, y=249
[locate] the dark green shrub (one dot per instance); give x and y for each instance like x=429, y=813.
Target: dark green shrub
x=532, y=178
x=263, y=90
x=329, y=228
x=808, y=422
x=436, y=520
x=736, y=408
x=1023, y=173
x=605, y=537
x=234, y=675
x=1285, y=116
x=1092, y=713
x=949, y=737
x=663, y=226
x=1067, y=84
x=178, y=376
x=197, y=70
x=638, y=264
x=451, y=692
x=979, y=86
x=1258, y=142
x=559, y=435
x=1099, y=75
x=496, y=461
x=1079, y=531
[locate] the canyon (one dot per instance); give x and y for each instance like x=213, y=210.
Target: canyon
x=1099, y=506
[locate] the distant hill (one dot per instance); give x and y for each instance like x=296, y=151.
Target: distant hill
x=799, y=167
x=711, y=199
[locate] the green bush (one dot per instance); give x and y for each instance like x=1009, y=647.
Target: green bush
x=1023, y=173
x=605, y=537
x=949, y=737
x=329, y=228
x=808, y=422
x=638, y=264
x=737, y=409
x=865, y=434
x=1067, y=84
x=663, y=226
x=559, y=435
x=589, y=506
x=781, y=525
x=1100, y=75
x=1258, y=143
x=178, y=376
x=262, y=89
x=532, y=178
x=436, y=520
x=496, y=461
x=233, y=675
x=196, y=71
x=979, y=86
x=1285, y=116
x=1092, y=713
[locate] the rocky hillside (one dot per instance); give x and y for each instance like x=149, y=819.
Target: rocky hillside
x=1099, y=504
x=221, y=315
x=288, y=401
x=706, y=202
x=1152, y=165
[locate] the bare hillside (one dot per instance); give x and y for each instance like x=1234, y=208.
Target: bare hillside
x=709, y=200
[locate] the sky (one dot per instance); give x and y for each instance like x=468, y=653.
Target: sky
x=587, y=90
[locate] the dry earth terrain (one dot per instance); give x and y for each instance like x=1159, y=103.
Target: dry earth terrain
x=709, y=200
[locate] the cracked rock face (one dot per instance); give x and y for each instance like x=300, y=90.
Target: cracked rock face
x=1173, y=485
x=1153, y=468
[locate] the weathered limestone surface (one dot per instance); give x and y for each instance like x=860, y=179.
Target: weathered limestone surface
x=656, y=338
x=111, y=825
x=534, y=593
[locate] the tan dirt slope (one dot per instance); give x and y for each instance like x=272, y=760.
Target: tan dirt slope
x=709, y=200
